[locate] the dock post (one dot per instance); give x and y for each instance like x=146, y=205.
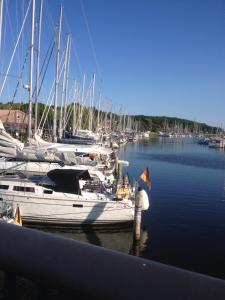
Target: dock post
x=116, y=165
x=118, y=169
x=137, y=217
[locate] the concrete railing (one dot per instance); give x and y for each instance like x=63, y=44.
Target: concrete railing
x=95, y=272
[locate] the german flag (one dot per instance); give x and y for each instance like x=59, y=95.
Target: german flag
x=145, y=177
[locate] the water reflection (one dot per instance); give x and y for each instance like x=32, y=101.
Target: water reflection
x=139, y=247
x=202, y=160
x=110, y=237
x=95, y=213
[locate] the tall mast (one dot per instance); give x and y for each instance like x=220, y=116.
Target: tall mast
x=1, y=17
x=91, y=104
x=114, y=118
x=124, y=122
x=74, y=107
x=67, y=80
x=111, y=108
x=93, y=99
x=61, y=119
x=57, y=76
x=120, y=119
x=31, y=72
x=82, y=104
x=106, y=113
x=89, y=108
x=38, y=65
x=99, y=103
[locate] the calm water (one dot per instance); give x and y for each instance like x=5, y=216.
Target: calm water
x=185, y=225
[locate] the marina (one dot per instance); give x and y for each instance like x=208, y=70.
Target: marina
x=112, y=168
x=188, y=194
x=184, y=226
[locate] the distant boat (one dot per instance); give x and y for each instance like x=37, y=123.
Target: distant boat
x=216, y=142
x=203, y=141
x=29, y=168
x=85, y=138
x=164, y=134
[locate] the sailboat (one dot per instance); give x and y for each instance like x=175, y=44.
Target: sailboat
x=65, y=197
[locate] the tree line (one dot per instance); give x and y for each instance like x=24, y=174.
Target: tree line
x=152, y=123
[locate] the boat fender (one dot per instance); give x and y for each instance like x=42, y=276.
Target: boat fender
x=122, y=193
x=142, y=196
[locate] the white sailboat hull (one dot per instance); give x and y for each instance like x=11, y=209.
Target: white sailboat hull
x=75, y=210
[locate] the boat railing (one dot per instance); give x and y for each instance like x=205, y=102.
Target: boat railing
x=60, y=266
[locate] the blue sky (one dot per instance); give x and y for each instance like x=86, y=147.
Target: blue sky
x=161, y=57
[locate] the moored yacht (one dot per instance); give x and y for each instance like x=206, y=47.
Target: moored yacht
x=217, y=142
x=65, y=197
x=10, y=166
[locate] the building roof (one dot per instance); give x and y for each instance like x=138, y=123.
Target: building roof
x=4, y=112
x=14, y=117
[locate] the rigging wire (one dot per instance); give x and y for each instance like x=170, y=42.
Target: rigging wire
x=11, y=28
x=17, y=28
x=1, y=18
x=90, y=39
x=46, y=68
x=70, y=107
x=51, y=44
x=50, y=17
x=60, y=65
x=75, y=52
x=18, y=83
x=3, y=42
x=14, y=51
x=70, y=110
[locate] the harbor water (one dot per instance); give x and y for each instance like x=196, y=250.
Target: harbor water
x=185, y=225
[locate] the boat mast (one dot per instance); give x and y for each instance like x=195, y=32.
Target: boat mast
x=66, y=82
x=105, y=117
x=111, y=108
x=1, y=16
x=74, y=107
x=31, y=73
x=14, y=51
x=120, y=119
x=57, y=76
x=125, y=122
x=82, y=104
x=91, y=104
x=93, y=99
x=61, y=119
x=38, y=65
x=99, y=103
x=114, y=118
